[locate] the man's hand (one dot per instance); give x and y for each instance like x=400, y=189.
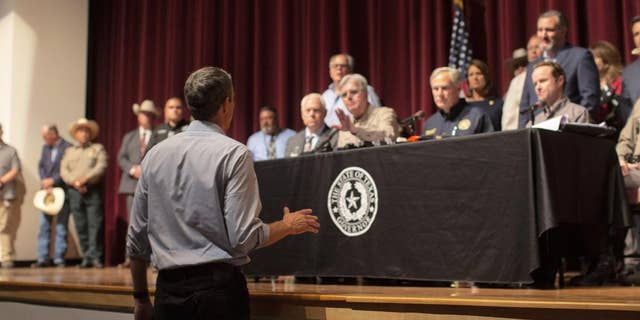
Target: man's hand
x=345, y=122
x=142, y=309
x=46, y=183
x=300, y=221
x=135, y=171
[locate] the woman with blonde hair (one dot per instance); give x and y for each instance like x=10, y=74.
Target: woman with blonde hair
x=609, y=64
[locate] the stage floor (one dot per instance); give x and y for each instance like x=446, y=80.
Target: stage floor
x=110, y=289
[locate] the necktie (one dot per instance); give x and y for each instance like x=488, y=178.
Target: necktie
x=308, y=145
x=271, y=148
x=143, y=143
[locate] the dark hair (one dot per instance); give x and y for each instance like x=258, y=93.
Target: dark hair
x=205, y=91
x=269, y=108
x=562, y=20
x=52, y=128
x=556, y=69
x=635, y=20
x=487, y=91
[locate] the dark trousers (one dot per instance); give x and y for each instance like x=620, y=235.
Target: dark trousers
x=87, y=215
x=210, y=291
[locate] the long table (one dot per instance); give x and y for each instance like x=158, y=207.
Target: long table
x=466, y=208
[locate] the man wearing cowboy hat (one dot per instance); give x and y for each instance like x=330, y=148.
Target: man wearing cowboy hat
x=132, y=149
x=511, y=107
x=82, y=168
x=49, y=170
x=9, y=201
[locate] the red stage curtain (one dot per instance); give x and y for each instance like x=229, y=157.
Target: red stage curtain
x=278, y=50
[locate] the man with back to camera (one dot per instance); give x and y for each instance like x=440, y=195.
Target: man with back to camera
x=195, y=213
x=454, y=116
x=316, y=132
x=582, y=82
x=341, y=65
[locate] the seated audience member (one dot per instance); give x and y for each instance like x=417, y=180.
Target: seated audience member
x=631, y=73
x=454, y=116
x=628, y=150
x=49, y=170
x=10, y=201
x=271, y=141
x=316, y=132
x=511, y=108
x=82, y=169
x=341, y=65
x=481, y=92
x=368, y=124
x=609, y=64
x=174, y=122
x=548, y=80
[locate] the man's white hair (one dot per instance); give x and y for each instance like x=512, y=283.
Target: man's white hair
x=357, y=78
x=310, y=97
x=454, y=74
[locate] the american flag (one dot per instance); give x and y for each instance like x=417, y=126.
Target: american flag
x=460, y=50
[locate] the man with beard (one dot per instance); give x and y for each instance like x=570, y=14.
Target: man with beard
x=271, y=141
x=582, y=82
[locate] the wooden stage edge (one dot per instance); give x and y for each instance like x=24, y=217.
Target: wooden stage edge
x=109, y=289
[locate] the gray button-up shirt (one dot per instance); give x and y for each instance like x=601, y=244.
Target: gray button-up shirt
x=8, y=161
x=197, y=201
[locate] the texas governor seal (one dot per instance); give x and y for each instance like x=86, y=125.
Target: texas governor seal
x=353, y=201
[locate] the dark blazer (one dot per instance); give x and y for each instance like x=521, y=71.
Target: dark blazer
x=128, y=156
x=298, y=140
x=582, y=82
x=164, y=130
x=51, y=169
x=631, y=83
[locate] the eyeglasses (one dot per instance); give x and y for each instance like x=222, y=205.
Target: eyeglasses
x=350, y=92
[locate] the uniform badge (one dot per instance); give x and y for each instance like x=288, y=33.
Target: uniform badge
x=430, y=132
x=464, y=124
x=353, y=201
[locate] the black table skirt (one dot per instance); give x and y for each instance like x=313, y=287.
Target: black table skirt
x=466, y=208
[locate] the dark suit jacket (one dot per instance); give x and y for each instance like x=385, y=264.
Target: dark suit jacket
x=298, y=140
x=631, y=83
x=164, y=130
x=128, y=156
x=51, y=169
x=582, y=82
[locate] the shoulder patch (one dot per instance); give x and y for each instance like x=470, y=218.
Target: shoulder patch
x=430, y=132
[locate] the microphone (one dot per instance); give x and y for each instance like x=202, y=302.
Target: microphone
x=532, y=110
x=415, y=117
x=324, y=143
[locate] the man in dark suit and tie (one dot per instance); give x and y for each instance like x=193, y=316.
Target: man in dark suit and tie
x=316, y=132
x=132, y=149
x=582, y=82
x=49, y=171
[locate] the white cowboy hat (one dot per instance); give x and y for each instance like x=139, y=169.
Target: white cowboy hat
x=146, y=106
x=519, y=57
x=93, y=127
x=49, y=203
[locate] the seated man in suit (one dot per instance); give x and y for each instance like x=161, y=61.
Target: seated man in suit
x=454, y=116
x=315, y=133
x=271, y=141
x=368, y=124
x=548, y=79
